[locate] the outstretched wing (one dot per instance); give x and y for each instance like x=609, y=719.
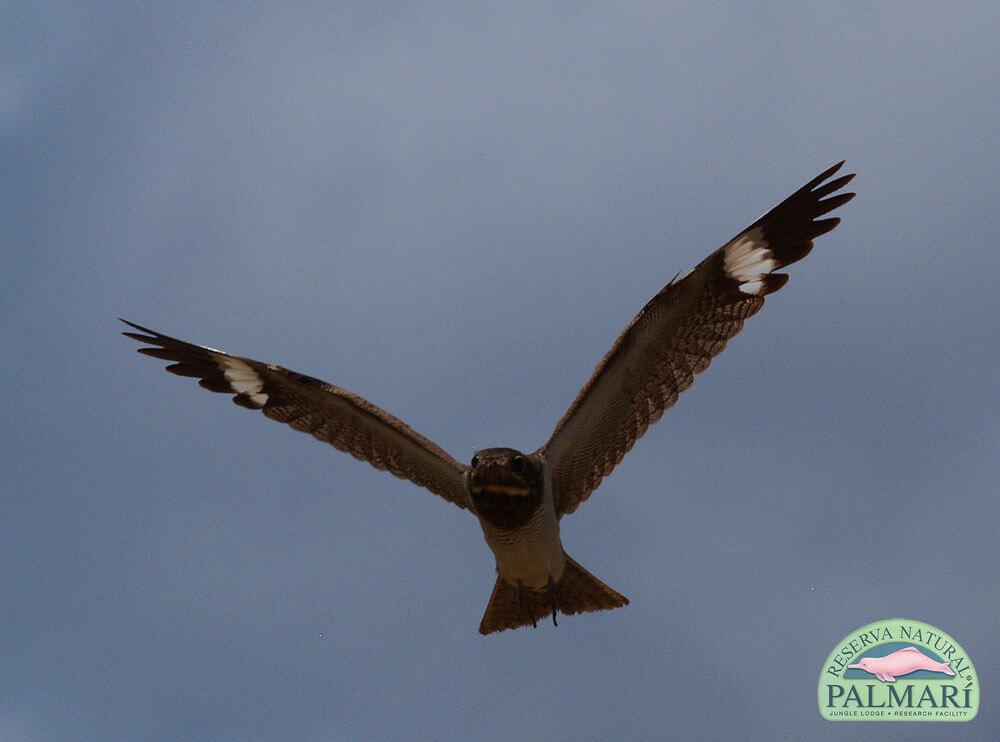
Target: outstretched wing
x=328, y=413
x=677, y=334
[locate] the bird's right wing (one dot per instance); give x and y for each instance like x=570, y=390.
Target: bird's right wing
x=328, y=413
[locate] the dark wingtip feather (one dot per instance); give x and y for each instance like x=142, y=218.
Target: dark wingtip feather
x=834, y=185
x=823, y=176
x=822, y=226
x=140, y=328
x=161, y=353
x=185, y=369
x=773, y=282
x=833, y=202
x=140, y=338
x=244, y=400
x=216, y=385
x=146, y=336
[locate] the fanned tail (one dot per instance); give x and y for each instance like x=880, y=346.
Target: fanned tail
x=578, y=592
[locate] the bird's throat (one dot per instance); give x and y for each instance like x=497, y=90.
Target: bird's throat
x=506, y=505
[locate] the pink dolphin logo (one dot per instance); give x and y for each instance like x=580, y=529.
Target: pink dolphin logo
x=900, y=662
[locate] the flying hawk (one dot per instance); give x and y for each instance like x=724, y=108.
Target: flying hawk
x=519, y=498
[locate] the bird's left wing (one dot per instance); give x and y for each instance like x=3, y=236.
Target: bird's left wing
x=677, y=334
x=328, y=413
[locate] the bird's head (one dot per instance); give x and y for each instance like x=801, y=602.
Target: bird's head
x=502, y=471
x=505, y=485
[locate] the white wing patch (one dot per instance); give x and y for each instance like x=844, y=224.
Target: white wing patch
x=747, y=260
x=243, y=379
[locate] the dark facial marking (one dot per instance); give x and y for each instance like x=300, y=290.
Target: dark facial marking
x=505, y=486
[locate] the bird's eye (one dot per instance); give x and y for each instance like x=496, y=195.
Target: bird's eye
x=517, y=464
x=475, y=461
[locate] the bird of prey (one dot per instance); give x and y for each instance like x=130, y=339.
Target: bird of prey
x=519, y=498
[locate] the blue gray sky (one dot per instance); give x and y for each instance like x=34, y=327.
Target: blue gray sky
x=453, y=210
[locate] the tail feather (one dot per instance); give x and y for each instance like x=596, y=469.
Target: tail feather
x=579, y=592
x=504, y=612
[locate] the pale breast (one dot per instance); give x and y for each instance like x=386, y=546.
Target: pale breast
x=529, y=553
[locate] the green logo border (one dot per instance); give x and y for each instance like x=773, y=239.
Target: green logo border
x=948, y=698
